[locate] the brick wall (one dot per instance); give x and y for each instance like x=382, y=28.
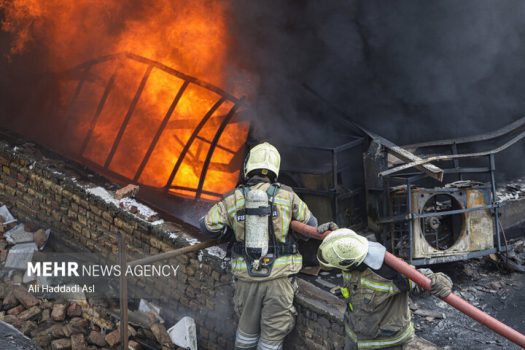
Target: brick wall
x=41, y=190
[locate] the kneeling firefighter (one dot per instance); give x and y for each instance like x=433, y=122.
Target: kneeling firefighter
x=377, y=316
x=264, y=253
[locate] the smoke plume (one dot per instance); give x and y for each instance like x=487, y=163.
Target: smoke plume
x=408, y=70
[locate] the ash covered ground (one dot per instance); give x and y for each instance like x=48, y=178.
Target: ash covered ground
x=484, y=284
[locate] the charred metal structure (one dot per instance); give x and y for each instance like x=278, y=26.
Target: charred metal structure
x=429, y=214
x=85, y=74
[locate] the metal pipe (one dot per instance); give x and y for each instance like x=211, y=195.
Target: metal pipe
x=173, y=253
x=453, y=300
x=494, y=198
x=122, y=252
x=411, y=222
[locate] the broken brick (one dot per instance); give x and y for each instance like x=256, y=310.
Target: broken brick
x=113, y=338
x=25, y=298
x=56, y=331
x=43, y=340
x=59, y=312
x=162, y=336
x=16, y=310
x=61, y=344
x=74, y=310
x=78, y=342
x=40, y=238
x=29, y=313
x=76, y=325
x=13, y=320
x=46, y=314
x=10, y=301
x=28, y=327
x=127, y=191
x=97, y=338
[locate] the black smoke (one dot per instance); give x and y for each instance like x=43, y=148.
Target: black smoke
x=409, y=70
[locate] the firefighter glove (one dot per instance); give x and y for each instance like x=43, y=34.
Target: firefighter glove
x=327, y=226
x=441, y=284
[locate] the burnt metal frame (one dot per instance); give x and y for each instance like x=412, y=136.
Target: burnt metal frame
x=333, y=193
x=224, y=96
x=516, y=132
x=412, y=218
x=410, y=179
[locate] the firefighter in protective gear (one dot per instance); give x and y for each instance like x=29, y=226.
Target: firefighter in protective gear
x=264, y=253
x=378, y=316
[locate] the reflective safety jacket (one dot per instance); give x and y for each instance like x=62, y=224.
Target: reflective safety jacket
x=288, y=206
x=378, y=315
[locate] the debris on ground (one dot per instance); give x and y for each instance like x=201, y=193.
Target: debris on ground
x=131, y=205
x=514, y=258
x=184, y=333
x=18, y=235
x=70, y=321
x=150, y=309
x=6, y=218
x=127, y=191
x=486, y=285
x=19, y=255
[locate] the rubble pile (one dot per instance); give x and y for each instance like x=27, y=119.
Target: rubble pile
x=62, y=323
x=76, y=325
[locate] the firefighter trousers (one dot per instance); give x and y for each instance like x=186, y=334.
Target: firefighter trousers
x=266, y=313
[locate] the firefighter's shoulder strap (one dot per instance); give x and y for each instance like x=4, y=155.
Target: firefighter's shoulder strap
x=271, y=191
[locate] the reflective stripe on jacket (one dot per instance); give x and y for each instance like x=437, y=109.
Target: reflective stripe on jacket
x=401, y=338
x=378, y=315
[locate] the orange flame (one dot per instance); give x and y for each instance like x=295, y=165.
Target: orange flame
x=189, y=36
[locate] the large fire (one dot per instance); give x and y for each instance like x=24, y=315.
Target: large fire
x=116, y=111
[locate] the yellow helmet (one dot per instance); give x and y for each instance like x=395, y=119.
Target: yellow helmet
x=342, y=249
x=263, y=156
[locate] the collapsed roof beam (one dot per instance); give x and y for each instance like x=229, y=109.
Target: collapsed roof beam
x=423, y=161
x=407, y=157
x=512, y=127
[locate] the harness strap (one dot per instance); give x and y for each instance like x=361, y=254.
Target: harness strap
x=287, y=248
x=261, y=211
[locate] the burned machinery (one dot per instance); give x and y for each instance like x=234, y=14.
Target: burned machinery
x=428, y=214
x=428, y=203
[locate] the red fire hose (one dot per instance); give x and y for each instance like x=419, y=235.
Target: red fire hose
x=455, y=301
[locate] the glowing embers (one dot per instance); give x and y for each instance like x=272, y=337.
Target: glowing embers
x=148, y=123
